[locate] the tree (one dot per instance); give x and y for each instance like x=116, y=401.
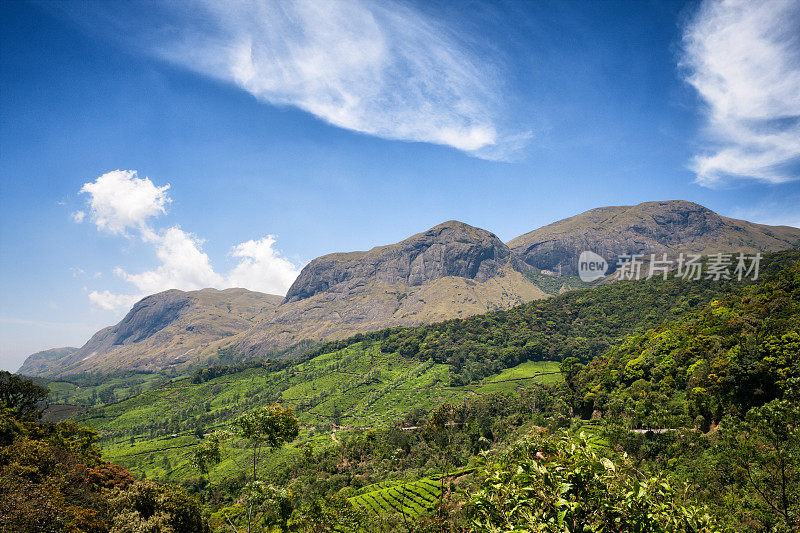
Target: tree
x=268, y=427
x=20, y=394
x=146, y=507
x=439, y=431
x=765, y=450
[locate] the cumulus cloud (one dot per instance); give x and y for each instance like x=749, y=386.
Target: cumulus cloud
x=261, y=267
x=182, y=263
x=743, y=57
x=78, y=216
x=120, y=200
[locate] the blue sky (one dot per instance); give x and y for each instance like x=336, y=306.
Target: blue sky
x=289, y=130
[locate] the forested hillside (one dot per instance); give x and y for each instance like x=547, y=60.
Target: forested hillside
x=738, y=352
x=580, y=324
x=514, y=420
x=52, y=477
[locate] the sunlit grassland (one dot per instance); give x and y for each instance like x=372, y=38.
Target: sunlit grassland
x=352, y=389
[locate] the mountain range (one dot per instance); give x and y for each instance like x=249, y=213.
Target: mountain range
x=668, y=227
x=452, y=270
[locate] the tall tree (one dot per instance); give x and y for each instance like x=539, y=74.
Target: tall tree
x=263, y=429
x=22, y=395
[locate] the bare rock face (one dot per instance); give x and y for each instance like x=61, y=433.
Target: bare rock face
x=453, y=270
x=149, y=316
x=648, y=228
x=449, y=249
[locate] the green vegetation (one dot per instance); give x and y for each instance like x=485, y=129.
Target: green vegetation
x=53, y=479
x=720, y=388
x=659, y=405
x=557, y=284
x=265, y=427
x=92, y=390
x=736, y=353
x=21, y=395
x=560, y=483
x=154, y=433
x=409, y=499
x=582, y=324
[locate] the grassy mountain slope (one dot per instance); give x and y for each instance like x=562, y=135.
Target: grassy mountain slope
x=377, y=379
x=452, y=270
x=356, y=387
x=581, y=324
x=388, y=433
x=334, y=315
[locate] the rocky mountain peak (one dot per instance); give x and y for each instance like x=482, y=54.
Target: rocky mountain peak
x=449, y=249
x=150, y=315
x=650, y=227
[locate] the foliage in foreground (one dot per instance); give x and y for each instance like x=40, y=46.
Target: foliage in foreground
x=52, y=478
x=721, y=389
x=560, y=484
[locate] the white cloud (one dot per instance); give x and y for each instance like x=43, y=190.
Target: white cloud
x=261, y=267
x=78, y=216
x=182, y=263
x=375, y=67
x=743, y=57
x=111, y=301
x=119, y=200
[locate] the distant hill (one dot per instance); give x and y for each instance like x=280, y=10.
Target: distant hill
x=165, y=330
x=650, y=227
x=42, y=361
x=452, y=270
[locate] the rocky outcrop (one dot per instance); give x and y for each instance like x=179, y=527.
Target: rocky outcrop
x=449, y=249
x=651, y=227
x=452, y=270
x=147, y=317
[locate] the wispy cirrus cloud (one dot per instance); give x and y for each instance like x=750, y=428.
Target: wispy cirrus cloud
x=377, y=67
x=119, y=202
x=743, y=58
